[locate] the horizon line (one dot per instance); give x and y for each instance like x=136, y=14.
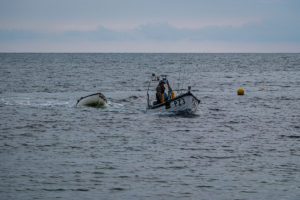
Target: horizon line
x=160, y=52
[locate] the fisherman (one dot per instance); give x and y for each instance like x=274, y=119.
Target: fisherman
x=160, y=89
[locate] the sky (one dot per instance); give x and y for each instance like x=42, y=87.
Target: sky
x=150, y=26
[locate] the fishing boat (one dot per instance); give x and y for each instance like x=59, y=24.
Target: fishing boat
x=182, y=103
x=94, y=100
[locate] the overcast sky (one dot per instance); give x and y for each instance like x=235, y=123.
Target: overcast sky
x=150, y=26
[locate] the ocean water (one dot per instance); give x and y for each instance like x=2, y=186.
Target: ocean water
x=233, y=147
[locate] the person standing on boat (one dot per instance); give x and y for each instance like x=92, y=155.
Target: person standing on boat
x=160, y=89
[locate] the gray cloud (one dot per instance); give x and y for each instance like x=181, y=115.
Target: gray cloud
x=169, y=22
x=82, y=15
x=267, y=31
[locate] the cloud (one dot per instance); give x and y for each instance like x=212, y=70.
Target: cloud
x=62, y=15
x=150, y=26
x=267, y=31
x=9, y=35
x=160, y=32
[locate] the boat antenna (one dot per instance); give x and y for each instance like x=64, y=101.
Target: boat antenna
x=183, y=78
x=180, y=77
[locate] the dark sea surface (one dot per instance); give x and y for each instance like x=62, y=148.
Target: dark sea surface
x=233, y=147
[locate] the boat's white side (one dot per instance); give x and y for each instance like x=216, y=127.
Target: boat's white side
x=186, y=103
x=95, y=100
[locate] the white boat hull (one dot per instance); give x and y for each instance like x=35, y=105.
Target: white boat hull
x=185, y=103
x=94, y=100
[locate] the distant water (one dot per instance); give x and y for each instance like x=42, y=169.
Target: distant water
x=233, y=147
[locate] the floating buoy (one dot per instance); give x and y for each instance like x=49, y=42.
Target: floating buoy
x=240, y=91
x=262, y=88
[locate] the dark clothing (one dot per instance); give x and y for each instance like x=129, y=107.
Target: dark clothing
x=160, y=89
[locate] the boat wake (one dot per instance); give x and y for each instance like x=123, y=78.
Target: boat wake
x=121, y=108
x=111, y=105
x=36, y=102
x=131, y=99
x=130, y=105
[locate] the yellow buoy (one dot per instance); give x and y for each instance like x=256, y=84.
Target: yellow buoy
x=240, y=91
x=262, y=88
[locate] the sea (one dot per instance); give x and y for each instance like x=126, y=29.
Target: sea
x=233, y=147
